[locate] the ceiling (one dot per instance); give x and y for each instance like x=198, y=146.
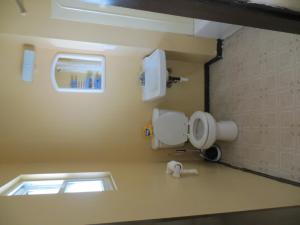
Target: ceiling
x=289, y=4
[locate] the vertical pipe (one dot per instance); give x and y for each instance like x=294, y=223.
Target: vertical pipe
x=207, y=74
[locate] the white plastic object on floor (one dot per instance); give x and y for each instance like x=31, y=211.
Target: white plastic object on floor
x=175, y=169
x=156, y=74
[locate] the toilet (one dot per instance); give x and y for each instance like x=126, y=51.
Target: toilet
x=172, y=129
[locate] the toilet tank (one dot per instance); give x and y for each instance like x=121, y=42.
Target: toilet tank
x=156, y=144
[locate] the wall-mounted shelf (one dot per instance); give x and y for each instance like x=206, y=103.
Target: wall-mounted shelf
x=78, y=73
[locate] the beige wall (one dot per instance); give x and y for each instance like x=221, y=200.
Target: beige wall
x=39, y=124
x=144, y=192
x=38, y=23
x=103, y=132
x=67, y=127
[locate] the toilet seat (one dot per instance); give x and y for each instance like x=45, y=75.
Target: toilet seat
x=175, y=128
x=171, y=128
x=199, y=129
x=212, y=131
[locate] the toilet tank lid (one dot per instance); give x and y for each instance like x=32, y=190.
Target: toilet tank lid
x=171, y=128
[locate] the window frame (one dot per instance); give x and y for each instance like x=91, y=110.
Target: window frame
x=10, y=188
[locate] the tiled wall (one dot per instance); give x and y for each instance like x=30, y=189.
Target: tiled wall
x=257, y=85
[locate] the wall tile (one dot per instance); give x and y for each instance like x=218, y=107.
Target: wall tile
x=297, y=97
x=270, y=101
x=286, y=99
x=270, y=137
x=288, y=137
x=286, y=119
x=286, y=78
x=257, y=85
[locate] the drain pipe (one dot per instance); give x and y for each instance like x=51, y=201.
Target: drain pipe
x=206, y=73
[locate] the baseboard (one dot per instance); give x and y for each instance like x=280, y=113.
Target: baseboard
x=282, y=180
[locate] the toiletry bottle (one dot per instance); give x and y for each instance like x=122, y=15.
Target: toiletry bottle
x=79, y=83
x=73, y=81
x=88, y=80
x=98, y=81
x=95, y=81
x=76, y=82
x=91, y=81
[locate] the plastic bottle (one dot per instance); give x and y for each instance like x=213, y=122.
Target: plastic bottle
x=73, y=82
x=91, y=82
x=88, y=80
x=97, y=81
x=76, y=82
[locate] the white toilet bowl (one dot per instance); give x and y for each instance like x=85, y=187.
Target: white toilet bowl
x=173, y=129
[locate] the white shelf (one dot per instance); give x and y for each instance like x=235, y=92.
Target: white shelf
x=80, y=90
x=67, y=68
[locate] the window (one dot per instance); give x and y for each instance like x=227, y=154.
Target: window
x=37, y=187
x=84, y=186
x=40, y=184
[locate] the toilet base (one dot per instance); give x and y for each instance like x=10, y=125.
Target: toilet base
x=226, y=131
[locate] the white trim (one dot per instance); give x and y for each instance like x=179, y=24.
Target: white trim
x=80, y=57
x=210, y=29
x=80, y=11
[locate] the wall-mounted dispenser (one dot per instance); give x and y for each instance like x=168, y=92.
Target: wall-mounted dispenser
x=28, y=63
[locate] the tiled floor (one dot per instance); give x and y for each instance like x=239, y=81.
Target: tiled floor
x=257, y=84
